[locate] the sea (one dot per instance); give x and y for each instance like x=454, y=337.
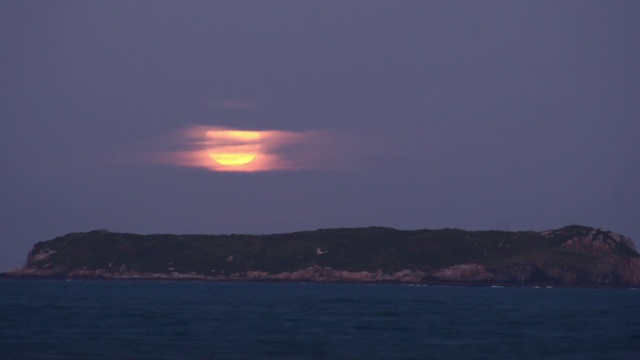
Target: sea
x=60, y=319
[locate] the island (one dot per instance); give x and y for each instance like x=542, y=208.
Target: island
x=572, y=256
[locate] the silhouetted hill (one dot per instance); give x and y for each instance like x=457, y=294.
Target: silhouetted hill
x=570, y=256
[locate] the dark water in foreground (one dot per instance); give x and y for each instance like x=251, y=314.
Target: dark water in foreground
x=193, y=320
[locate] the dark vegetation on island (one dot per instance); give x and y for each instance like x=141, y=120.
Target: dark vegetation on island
x=570, y=256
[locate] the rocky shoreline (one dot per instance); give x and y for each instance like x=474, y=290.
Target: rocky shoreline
x=314, y=274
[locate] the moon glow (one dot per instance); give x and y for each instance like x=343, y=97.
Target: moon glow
x=233, y=147
x=223, y=149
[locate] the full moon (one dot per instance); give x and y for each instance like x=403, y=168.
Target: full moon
x=233, y=147
x=232, y=159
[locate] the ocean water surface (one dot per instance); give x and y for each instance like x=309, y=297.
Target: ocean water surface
x=208, y=320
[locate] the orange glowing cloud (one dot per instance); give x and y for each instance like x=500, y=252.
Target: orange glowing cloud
x=225, y=149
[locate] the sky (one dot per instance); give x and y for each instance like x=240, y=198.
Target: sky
x=511, y=115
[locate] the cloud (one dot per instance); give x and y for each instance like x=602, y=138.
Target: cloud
x=234, y=150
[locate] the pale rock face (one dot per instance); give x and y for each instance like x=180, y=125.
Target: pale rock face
x=462, y=272
x=258, y=275
x=623, y=239
x=598, y=241
x=39, y=256
x=629, y=270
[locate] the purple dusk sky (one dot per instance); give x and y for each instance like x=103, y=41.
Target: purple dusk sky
x=514, y=115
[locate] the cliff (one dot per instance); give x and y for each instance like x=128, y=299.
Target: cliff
x=570, y=256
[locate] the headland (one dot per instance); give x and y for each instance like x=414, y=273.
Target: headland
x=572, y=256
